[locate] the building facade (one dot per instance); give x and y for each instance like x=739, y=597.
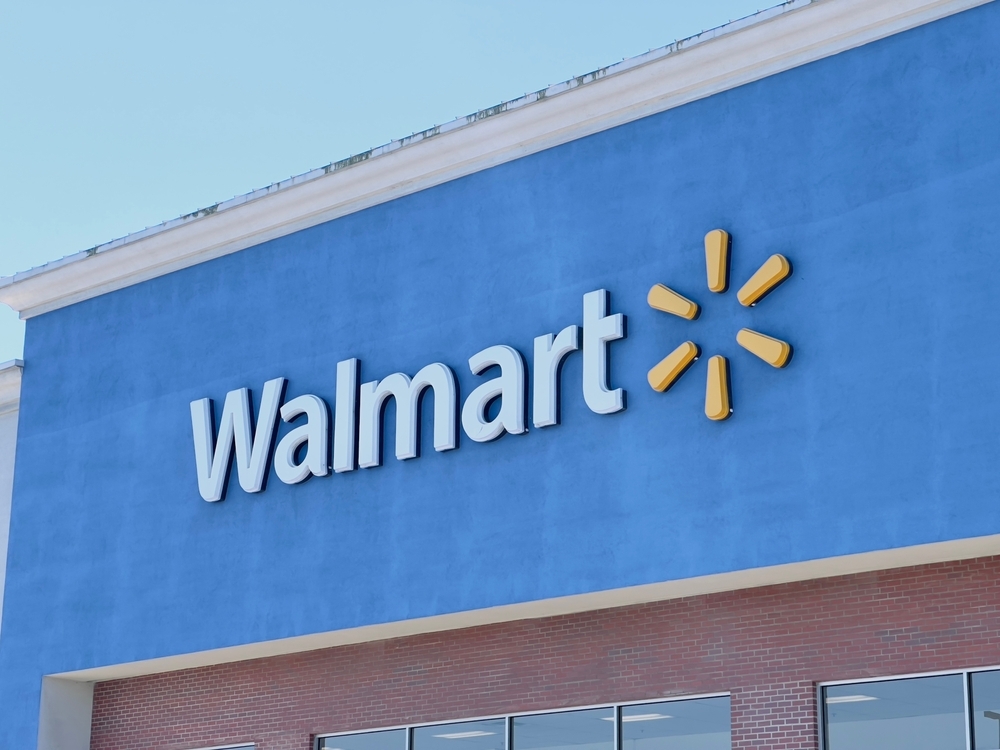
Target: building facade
x=653, y=411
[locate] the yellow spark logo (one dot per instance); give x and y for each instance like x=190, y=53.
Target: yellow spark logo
x=773, y=351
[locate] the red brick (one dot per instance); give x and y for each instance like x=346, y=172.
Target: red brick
x=768, y=647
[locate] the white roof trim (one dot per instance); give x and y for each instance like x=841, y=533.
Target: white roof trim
x=865, y=562
x=769, y=42
x=10, y=385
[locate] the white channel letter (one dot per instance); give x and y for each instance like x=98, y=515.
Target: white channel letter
x=314, y=434
x=345, y=417
x=212, y=457
x=550, y=351
x=508, y=387
x=407, y=393
x=598, y=329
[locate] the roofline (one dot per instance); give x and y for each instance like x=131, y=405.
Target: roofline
x=761, y=45
x=10, y=385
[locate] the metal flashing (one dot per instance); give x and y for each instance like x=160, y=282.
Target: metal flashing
x=763, y=44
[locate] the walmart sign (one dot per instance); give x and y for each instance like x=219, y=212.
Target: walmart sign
x=358, y=410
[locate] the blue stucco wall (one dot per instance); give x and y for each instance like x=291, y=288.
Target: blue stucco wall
x=877, y=172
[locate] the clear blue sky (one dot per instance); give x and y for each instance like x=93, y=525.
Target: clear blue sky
x=115, y=116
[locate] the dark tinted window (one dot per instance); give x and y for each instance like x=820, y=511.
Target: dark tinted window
x=699, y=724
x=925, y=713
x=986, y=710
x=393, y=739
x=593, y=729
x=466, y=735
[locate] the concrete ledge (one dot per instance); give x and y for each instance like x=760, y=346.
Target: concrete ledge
x=924, y=554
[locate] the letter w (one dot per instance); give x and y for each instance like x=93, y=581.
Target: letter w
x=213, y=458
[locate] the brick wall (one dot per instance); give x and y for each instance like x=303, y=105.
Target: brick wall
x=767, y=646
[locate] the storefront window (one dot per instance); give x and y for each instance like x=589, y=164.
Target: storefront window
x=985, y=687
x=700, y=724
x=681, y=724
x=593, y=729
x=468, y=735
x=393, y=739
x=924, y=713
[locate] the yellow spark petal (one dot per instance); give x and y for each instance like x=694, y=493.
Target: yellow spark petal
x=717, y=389
x=669, y=301
x=717, y=259
x=671, y=367
x=773, y=351
x=775, y=270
